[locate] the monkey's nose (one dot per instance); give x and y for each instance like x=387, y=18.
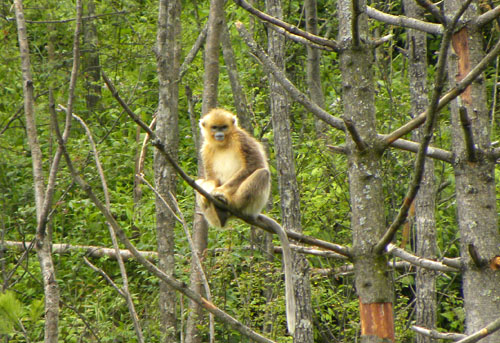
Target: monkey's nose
x=219, y=136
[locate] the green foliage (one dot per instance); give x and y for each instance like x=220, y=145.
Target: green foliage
x=10, y=312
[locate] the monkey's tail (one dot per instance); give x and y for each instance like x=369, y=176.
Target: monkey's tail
x=289, y=288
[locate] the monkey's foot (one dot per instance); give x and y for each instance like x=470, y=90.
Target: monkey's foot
x=222, y=214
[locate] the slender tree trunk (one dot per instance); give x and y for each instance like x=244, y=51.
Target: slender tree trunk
x=200, y=227
x=425, y=200
x=313, y=66
x=475, y=180
x=240, y=101
x=373, y=285
x=90, y=61
x=289, y=191
x=165, y=176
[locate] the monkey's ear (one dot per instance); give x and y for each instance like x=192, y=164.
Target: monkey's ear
x=202, y=123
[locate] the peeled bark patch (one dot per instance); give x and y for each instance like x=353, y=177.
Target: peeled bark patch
x=376, y=320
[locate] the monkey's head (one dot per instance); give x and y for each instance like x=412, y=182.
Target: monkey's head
x=217, y=125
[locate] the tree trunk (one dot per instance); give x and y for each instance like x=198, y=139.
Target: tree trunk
x=313, y=66
x=90, y=62
x=200, y=227
x=165, y=176
x=475, y=180
x=240, y=102
x=425, y=200
x=289, y=191
x=372, y=283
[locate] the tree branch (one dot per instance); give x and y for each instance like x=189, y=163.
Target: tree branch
x=487, y=330
x=452, y=94
x=485, y=18
x=419, y=261
x=436, y=334
x=433, y=9
x=354, y=134
x=430, y=123
x=290, y=28
x=271, y=68
x=403, y=21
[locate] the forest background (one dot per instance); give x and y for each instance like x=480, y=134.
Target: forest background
x=100, y=238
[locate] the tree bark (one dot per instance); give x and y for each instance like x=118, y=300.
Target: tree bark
x=313, y=66
x=200, y=227
x=425, y=201
x=372, y=283
x=287, y=180
x=168, y=63
x=475, y=180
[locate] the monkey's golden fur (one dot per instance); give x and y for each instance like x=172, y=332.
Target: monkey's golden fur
x=237, y=173
x=235, y=165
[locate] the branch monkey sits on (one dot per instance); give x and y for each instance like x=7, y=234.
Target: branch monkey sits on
x=237, y=174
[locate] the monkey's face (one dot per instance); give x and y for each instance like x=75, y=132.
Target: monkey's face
x=217, y=126
x=219, y=132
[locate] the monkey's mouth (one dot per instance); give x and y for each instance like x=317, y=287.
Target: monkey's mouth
x=219, y=136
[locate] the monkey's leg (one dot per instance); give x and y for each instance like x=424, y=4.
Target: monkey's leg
x=253, y=193
x=214, y=216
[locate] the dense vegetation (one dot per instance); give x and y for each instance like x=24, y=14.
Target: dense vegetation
x=237, y=269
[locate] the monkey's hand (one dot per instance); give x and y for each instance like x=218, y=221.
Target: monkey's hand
x=217, y=194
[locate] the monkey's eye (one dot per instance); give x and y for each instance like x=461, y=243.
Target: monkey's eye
x=223, y=127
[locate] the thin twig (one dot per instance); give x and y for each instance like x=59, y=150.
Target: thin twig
x=354, y=134
x=106, y=277
x=123, y=270
x=445, y=100
x=290, y=28
x=433, y=9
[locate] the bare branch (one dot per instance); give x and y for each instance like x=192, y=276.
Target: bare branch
x=433, y=9
x=487, y=330
x=105, y=276
x=123, y=271
x=193, y=52
x=354, y=134
x=297, y=38
x=419, y=261
x=436, y=334
x=271, y=68
x=445, y=100
x=290, y=28
x=436, y=153
x=430, y=123
x=485, y=18
x=90, y=250
x=403, y=21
